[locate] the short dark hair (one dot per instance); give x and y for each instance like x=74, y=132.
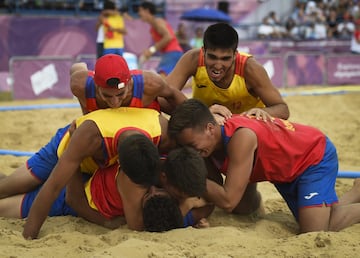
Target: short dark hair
x=109, y=5
x=185, y=169
x=220, y=35
x=192, y=113
x=162, y=213
x=148, y=6
x=139, y=159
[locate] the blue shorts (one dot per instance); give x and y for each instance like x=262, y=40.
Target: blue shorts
x=316, y=186
x=168, y=61
x=116, y=51
x=58, y=208
x=42, y=163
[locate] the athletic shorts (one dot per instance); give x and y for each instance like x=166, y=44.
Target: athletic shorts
x=115, y=51
x=42, y=163
x=58, y=208
x=316, y=186
x=168, y=61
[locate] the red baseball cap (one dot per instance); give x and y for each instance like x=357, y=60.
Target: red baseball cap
x=114, y=67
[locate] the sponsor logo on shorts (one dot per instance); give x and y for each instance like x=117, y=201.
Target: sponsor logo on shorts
x=311, y=195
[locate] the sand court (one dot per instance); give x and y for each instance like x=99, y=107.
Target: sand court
x=334, y=112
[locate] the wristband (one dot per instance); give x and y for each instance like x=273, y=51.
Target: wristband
x=152, y=49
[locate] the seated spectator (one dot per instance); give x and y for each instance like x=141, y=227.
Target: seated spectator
x=346, y=28
x=279, y=29
x=332, y=23
x=292, y=30
x=266, y=30
x=316, y=28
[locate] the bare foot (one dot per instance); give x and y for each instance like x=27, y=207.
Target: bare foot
x=357, y=182
x=352, y=196
x=356, y=188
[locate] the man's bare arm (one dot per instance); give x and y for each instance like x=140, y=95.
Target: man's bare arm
x=259, y=84
x=85, y=141
x=76, y=199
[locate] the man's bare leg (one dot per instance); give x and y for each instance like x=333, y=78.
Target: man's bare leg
x=347, y=211
x=20, y=181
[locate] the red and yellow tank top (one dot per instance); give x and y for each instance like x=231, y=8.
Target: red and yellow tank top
x=111, y=123
x=298, y=147
x=236, y=97
x=102, y=193
x=173, y=44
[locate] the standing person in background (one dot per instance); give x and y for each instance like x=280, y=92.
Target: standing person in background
x=114, y=29
x=164, y=38
x=99, y=36
x=182, y=37
x=355, y=40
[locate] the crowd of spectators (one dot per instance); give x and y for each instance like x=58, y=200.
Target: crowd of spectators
x=313, y=20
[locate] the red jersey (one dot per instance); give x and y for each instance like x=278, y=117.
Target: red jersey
x=104, y=192
x=173, y=44
x=284, y=149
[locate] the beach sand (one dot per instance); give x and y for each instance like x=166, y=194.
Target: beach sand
x=274, y=235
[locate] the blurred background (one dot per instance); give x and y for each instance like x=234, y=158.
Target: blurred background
x=299, y=42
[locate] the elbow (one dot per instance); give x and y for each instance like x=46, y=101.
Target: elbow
x=286, y=111
x=283, y=111
x=228, y=207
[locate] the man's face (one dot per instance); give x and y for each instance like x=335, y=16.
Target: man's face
x=143, y=13
x=113, y=97
x=218, y=62
x=200, y=140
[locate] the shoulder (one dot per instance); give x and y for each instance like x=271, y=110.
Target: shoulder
x=78, y=80
x=192, y=56
x=152, y=79
x=252, y=65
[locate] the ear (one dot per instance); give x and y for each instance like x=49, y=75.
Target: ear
x=210, y=128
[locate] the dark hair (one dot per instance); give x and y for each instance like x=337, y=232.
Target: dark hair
x=220, y=35
x=139, y=159
x=109, y=5
x=192, y=113
x=113, y=82
x=185, y=169
x=148, y=6
x=162, y=213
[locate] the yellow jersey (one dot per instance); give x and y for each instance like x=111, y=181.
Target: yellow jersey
x=111, y=123
x=236, y=97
